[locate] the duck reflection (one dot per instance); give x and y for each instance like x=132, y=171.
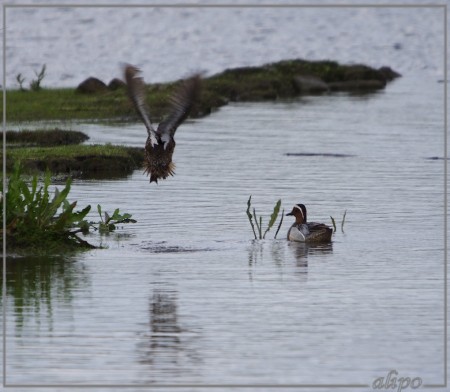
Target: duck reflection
x=275, y=251
x=302, y=250
x=166, y=347
x=164, y=338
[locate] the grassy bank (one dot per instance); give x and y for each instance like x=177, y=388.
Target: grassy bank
x=81, y=161
x=43, y=138
x=283, y=79
x=61, y=152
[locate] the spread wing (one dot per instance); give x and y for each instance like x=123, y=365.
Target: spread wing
x=136, y=92
x=181, y=103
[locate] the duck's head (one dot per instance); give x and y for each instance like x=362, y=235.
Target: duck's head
x=299, y=211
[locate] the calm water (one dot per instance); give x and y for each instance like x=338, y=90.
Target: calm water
x=186, y=296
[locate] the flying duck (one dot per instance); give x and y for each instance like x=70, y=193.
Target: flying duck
x=160, y=143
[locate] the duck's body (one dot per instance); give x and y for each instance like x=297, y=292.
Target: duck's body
x=160, y=143
x=302, y=231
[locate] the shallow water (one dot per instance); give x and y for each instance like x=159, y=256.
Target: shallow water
x=186, y=296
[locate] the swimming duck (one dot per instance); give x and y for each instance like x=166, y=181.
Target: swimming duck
x=160, y=143
x=302, y=231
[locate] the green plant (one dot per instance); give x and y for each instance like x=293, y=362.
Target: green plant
x=35, y=84
x=20, y=80
x=258, y=221
x=37, y=220
x=334, y=224
x=342, y=223
x=109, y=223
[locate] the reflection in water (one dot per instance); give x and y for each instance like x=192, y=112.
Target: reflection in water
x=34, y=283
x=256, y=251
x=256, y=254
x=299, y=250
x=166, y=347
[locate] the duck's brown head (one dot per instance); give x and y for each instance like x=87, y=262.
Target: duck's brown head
x=158, y=161
x=299, y=211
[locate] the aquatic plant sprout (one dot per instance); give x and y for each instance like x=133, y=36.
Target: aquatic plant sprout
x=258, y=220
x=342, y=223
x=109, y=222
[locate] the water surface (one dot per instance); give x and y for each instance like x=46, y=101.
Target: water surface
x=186, y=296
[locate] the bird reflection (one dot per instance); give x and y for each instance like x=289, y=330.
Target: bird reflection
x=258, y=251
x=301, y=250
x=166, y=347
x=164, y=337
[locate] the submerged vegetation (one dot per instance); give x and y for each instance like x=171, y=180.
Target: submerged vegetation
x=38, y=222
x=258, y=233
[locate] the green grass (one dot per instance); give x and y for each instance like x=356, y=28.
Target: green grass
x=68, y=104
x=43, y=137
x=72, y=151
x=62, y=104
x=267, y=82
x=85, y=161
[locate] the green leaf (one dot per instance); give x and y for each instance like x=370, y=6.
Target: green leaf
x=80, y=215
x=343, y=221
x=256, y=223
x=250, y=216
x=116, y=214
x=279, y=225
x=273, y=217
x=334, y=224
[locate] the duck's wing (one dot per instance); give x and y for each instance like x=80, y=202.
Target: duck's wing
x=314, y=226
x=181, y=103
x=136, y=92
x=319, y=232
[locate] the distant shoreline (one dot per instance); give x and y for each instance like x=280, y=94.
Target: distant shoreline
x=95, y=100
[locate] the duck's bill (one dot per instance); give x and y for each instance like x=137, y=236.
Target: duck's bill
x=289, y=214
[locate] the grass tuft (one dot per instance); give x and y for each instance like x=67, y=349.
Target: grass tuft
x=43, y=223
